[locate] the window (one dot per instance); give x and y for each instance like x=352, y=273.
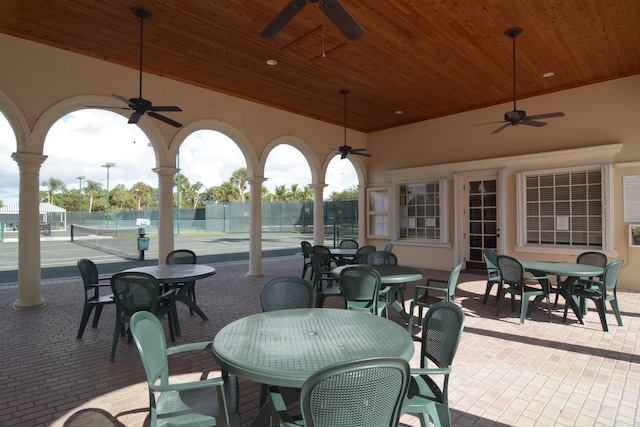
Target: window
x=420, y=214
x=564, y=207
x=378, y=212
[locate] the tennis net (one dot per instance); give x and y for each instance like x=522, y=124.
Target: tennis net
x=122, y=242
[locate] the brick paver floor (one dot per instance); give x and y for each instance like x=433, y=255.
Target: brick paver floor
x=505, y=374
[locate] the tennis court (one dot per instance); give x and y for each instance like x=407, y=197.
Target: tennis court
x=59, y=256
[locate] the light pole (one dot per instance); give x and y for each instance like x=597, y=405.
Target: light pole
x=108, y=165
x=80, y=178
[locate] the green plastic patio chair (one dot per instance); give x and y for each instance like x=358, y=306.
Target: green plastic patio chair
x=283, y=293
x=92, y=298
x=360, y=287
x=307, y=250
x=362, y=393
x=286, y=292
x=424, y=296
x=348, y=244
x=323, y=281
x=362, y=254
x=441, y=331
x=600, y=291
x=134, y=292
x=515, y=283
x=184, y=256
x=493, y=272
x=192, y=404
x=382, y=258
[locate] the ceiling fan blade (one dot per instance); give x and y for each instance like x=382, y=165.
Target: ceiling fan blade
x=167, y=120
x=501, y=128
x=135, y=117
x=357, y=153
x=342, y=19
x=487, y=123
x=545, y=116
x=532, y=123
x=165, y=108
x=282, y=18
x=126, y=101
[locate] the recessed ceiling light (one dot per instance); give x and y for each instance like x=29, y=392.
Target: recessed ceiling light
x=549, y=74
x=399, y=112
x=272, y=62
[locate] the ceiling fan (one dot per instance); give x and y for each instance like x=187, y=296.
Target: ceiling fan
x=139, y=105
x=336, y=13
x=344, y=149
x=519, y=117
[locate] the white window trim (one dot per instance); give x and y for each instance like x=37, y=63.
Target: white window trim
x=607, y=211
x=443, y=187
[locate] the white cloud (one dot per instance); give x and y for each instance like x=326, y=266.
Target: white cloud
x=79, y=143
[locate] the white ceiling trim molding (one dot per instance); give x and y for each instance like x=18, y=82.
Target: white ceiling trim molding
x=597, y=154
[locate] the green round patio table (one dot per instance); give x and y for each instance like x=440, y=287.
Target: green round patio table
x=285, y=347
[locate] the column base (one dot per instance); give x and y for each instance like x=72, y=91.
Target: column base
x=18, y=305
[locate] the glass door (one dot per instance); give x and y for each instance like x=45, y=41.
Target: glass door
x=482, y=219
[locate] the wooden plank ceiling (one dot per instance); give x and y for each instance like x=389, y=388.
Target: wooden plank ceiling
x=426, y=58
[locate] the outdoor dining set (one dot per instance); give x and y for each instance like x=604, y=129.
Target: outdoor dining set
x=327, y=366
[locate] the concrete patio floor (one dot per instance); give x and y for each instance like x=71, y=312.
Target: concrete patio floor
x=505, y=374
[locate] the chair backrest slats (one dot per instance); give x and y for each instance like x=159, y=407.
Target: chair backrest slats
x=286, y=292
x=362, y=254
x=382, y=258
x=610, y=275
x=361, y=393
x=361, y=288
x=181, y=256
x=441, y=332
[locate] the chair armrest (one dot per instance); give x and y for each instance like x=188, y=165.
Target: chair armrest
x=437, y=281
x=213, y=382
x=429, y=371
x=204, y=345
x=426, y=288
x=589, y=282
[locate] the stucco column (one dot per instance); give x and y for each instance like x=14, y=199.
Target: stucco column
x=318, y=213
x=255, y=227
x=29, y=286
x=165, y=203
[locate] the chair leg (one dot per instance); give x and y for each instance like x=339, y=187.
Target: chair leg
x=500, y=300
x=524, y=306
x=86, y=313
x=96, y=316
x=602, y=311
x=616, y=310
x=487, y=292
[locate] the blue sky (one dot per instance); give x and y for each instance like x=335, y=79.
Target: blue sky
x=81, y=142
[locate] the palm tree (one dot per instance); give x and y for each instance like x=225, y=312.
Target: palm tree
x=53, y=184
x=280, y=193
x=239, y=179
x=225, y=192
x=143, y=192
x=92, y=188
x=194, y=193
